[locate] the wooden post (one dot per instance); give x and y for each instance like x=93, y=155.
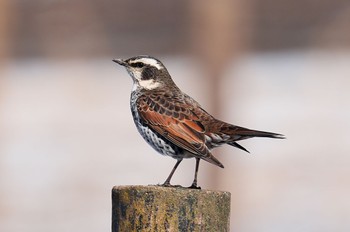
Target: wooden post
x=155, y=208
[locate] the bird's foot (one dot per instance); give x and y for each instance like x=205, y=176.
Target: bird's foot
x=194, y=186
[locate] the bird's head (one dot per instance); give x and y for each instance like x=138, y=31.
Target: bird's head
x=147, y=72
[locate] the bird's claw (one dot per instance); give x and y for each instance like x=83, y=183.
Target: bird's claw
x=194, y=186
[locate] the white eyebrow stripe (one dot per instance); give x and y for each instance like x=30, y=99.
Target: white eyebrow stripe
x=149, y=61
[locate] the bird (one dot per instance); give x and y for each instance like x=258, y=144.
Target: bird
x=175, y=124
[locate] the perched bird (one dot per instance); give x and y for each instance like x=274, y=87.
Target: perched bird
x=172, y=122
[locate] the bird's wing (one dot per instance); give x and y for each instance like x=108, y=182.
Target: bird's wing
x=176, y=122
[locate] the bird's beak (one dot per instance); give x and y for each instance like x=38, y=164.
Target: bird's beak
x=120, y=61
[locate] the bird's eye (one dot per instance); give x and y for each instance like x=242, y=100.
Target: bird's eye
x=137, y=65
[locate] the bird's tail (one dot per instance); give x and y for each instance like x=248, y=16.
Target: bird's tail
x=240, y=133
x=237, y=133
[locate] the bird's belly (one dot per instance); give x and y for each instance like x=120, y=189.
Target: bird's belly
x=159, y=144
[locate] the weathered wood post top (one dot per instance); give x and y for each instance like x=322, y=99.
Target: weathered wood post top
x=156, y=208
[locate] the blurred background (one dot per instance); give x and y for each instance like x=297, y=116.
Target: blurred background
x=67, y=135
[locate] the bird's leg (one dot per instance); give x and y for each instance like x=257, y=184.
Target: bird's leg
x=167, y=182
x=194, y=183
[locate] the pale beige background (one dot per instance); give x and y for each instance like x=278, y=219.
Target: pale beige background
x=67, y=135
x=67, y=139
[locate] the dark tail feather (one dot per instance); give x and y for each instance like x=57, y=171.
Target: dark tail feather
x=237, y=133
x=238, y=146
x=245, y=133
x=255, y=133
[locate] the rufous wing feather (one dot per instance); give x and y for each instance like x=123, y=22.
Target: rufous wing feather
x=180, y=127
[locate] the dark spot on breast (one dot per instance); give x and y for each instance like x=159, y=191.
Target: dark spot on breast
x=161, y=110
x=156, y=107
x=169, y=113
x=161, y=101
x=165, y=104
x=152, y=104
x=149, y=101
x=157, y=98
